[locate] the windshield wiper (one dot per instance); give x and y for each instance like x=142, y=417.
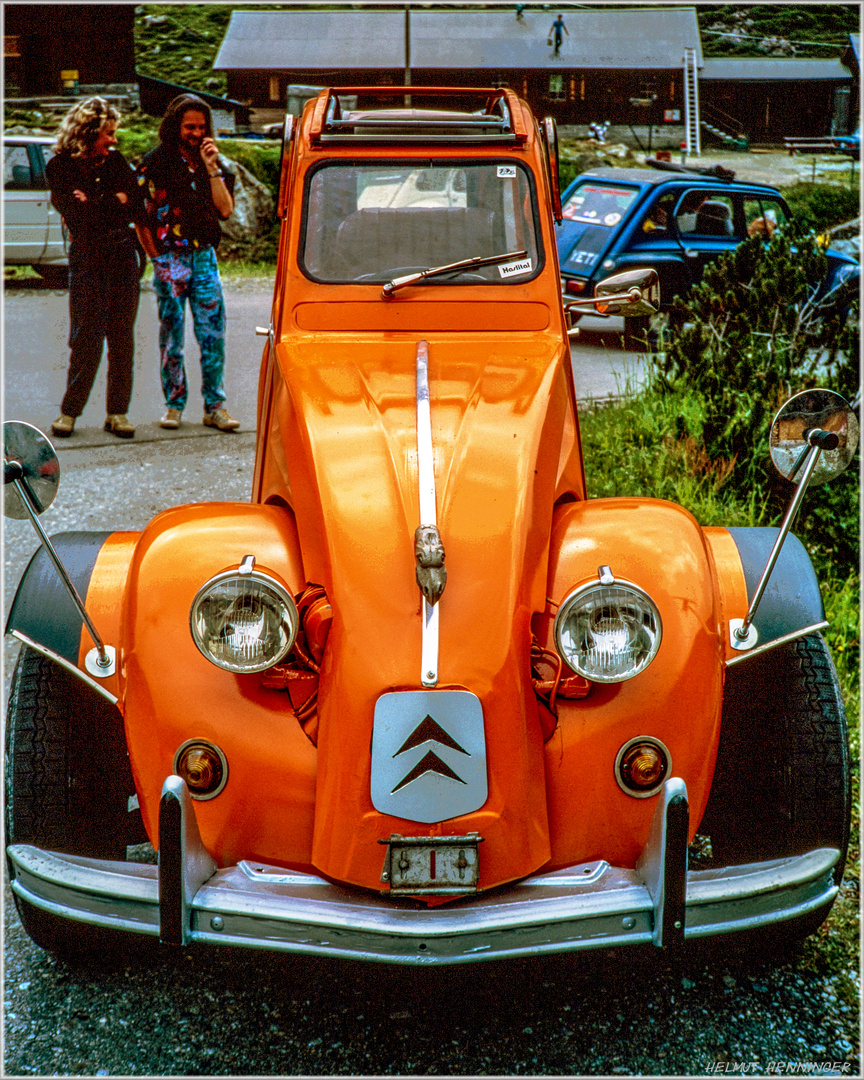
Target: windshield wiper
x=478, y=260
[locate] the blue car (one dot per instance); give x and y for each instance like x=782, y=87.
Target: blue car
x=849, y=144
x=674, y=220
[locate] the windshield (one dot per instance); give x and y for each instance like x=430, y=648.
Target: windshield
x=596, y=204
x=371, y=222
x=593, y=211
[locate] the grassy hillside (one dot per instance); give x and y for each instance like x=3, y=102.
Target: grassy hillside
x=799, y=30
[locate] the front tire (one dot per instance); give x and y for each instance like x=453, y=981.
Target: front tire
x=781, y=782
x=68, y=783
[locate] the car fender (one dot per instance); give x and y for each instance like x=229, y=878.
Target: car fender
x=44, y=616
x=42, y=610
x=660, y=548
x=170, y=692
x=792, y=603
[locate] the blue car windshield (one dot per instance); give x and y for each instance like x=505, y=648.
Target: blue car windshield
x=597, y=204
x=590, y=216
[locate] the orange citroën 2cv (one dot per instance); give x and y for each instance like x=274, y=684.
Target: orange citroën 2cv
x=421, y=700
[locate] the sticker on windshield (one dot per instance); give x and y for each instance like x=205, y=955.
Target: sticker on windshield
x=523, y=266
x=611, y=219
x=506, y=172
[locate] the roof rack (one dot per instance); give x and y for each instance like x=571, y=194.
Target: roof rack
x=716, y=172
x=499, y=121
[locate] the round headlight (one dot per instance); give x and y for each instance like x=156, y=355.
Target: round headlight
x=608, y=633
x=243, y=622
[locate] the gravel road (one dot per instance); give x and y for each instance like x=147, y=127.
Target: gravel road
x=226, y=1013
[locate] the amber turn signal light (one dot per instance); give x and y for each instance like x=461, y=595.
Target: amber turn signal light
x=642, y=766
x=203, y=767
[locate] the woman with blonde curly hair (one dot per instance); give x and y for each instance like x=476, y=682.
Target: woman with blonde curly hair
x=94, y=190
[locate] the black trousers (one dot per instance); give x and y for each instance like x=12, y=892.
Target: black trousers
x=104, y=290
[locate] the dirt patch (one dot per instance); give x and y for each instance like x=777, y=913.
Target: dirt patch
x=779, y=168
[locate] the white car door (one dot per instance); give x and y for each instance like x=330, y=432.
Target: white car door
x=25, y=206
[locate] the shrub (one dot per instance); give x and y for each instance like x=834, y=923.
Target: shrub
x=817, y=207
x=751, y=339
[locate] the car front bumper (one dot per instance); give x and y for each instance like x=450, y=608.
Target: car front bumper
x=186, y=899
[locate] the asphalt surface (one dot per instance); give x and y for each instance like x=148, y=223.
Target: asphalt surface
x=36, y=325
x=226, y=1013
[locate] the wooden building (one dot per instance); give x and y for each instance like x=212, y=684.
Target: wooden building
x=44, y=41
x=609, y=58
x=767, y=99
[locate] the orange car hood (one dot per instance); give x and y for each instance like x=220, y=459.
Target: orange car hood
x=341, y=448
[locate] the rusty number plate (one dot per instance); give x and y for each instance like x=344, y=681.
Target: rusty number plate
x=424, y=865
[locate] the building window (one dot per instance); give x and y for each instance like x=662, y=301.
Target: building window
x=556, y=87
x=274, y=88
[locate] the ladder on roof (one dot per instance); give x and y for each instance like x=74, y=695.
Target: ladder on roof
x=691, y=103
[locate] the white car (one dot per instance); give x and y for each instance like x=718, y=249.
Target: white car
x=33, y=232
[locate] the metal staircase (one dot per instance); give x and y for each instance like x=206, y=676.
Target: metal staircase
x=712, y=117
x=691, y=103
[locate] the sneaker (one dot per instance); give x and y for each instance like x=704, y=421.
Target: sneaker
x=118, y=425
x=63, y=426
x=221, y=419
x=171, y=419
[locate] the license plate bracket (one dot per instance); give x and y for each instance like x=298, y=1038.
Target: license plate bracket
x=432, y=865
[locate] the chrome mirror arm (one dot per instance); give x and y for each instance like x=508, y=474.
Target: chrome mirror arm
x=630, y=297
x=744, y=636
x=103, y=663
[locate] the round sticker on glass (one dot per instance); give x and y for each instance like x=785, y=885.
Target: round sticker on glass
x=611, y=219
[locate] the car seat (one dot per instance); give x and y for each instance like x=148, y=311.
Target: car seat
x=714, y=219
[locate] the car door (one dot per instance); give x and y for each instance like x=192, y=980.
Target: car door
x=708, y=224
x=25, y=205
x=651, y=241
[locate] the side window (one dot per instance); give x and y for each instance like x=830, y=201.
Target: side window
x=659, y=215
x=16, y=169
x=763, y=216
x=705, y=213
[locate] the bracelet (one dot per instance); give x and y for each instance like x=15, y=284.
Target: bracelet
x=216, y=175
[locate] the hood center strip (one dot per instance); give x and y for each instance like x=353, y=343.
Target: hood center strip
x=428, y=516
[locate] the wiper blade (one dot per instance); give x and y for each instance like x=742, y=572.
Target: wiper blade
x=478, y=260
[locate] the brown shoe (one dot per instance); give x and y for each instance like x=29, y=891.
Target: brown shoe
x=63, y=426
x=221, y=419
x=171, y=419
x=118, y=425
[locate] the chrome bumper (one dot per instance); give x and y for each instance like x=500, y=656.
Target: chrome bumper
x=186, y=899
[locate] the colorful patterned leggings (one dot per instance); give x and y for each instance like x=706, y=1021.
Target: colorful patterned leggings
x=179, y=276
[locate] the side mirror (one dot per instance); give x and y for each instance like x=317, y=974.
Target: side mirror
x=793, y=428
x=30, y=459
x=31, y=475
x=635, y=292
x=812, y=438
x=642, y=289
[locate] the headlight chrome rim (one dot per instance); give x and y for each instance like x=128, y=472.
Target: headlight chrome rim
x=245, y=577
x=579, y=596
